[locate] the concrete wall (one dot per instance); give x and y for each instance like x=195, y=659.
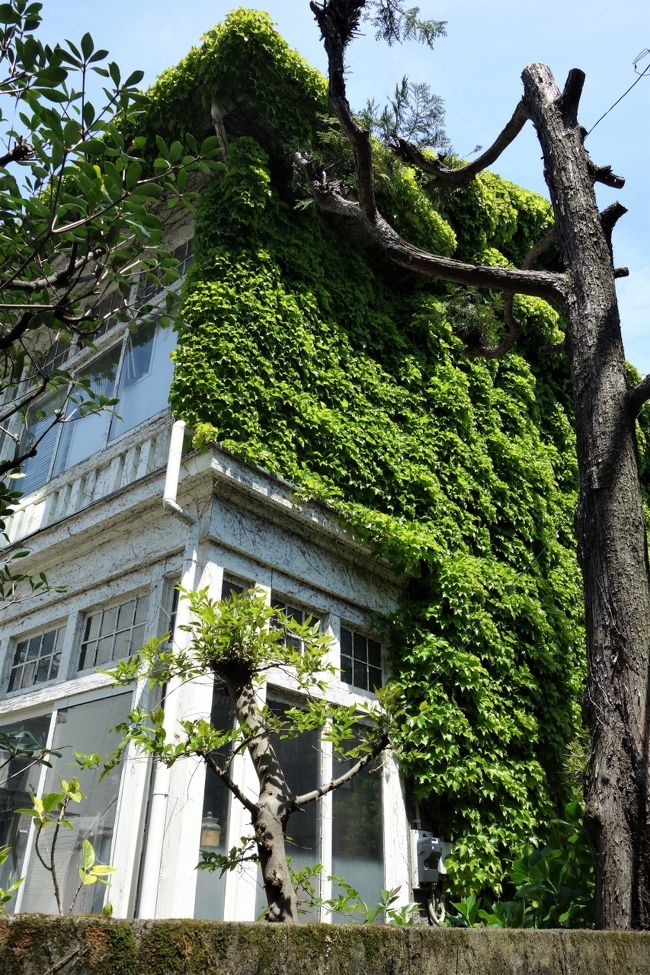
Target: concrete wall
x=39, y=945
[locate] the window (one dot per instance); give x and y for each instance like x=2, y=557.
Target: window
x=211, y=886
x=36, y=660
x=357, y=832
x=231, y=588
x=294, y=613
x=360, y=660
x=90, y=727
x=137, y=372
x=18, y=777
x=113, y=633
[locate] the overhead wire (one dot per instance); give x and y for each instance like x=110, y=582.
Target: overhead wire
x=640, y=56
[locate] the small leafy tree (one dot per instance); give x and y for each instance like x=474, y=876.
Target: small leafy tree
x=239, y=641
x=81, y=200
x=51, y=810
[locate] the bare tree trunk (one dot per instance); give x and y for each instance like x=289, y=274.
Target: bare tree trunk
x=274, y=804
x=609, y=523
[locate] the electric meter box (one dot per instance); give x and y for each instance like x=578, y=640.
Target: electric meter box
x=428, y=854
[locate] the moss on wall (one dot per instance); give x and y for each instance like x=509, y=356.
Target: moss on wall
x=40, y=945
x=313, y=358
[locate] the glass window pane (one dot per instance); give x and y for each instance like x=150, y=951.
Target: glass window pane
x=357, y=834
x=33, y=647
x=360, y=678
x=104, y=652
x=346, y=641
x=16, y=779
x=121, y=633
x=108, y=620
x=142, y=603
x=374, y=653
x=125, y=615
x=91, y=725
x=92, y=627
x=36, y=470
x=146, y=377
x=85, y=435
x=210, y=887
x=346, y=669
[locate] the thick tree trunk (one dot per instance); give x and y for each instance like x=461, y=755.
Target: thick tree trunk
x=609, y=523
x=273, y=806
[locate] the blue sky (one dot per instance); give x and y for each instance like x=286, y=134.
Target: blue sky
x=476, y=68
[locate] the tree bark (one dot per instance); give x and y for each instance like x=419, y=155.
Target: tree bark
x=274, y=804
x=609, y=523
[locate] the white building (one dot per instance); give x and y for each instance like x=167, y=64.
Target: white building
x=93, y=520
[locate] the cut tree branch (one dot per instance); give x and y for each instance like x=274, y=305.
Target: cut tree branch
x=540, y=284
x=446, y=178
x=323, y=790
x=639, y=395
x=604, y=175
x=570, y=97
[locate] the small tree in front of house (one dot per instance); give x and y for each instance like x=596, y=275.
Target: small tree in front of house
x=240, y=641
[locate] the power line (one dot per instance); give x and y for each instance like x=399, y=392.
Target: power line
x=639, y=57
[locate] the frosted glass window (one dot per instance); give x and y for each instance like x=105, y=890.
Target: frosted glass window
x=85, y=435
x=357, y=834
x=147, y=372
x=18, y=776
x=36, y=659
x=89, y=727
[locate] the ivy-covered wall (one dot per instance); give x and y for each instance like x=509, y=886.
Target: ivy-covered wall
x=315, y=359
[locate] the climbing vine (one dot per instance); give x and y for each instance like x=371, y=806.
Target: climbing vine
x=304, y=355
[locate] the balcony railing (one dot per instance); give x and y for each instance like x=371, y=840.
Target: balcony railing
x=123, y=462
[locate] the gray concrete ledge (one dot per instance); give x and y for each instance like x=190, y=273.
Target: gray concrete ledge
x=32, y=944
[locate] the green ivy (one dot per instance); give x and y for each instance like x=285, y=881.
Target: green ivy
x=347, y=376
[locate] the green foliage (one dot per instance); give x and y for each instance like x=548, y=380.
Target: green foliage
x=246, y=636
x=552, y=884
x=6, y=893
x=80, y=215
x=51, y=810
x=348, y=903
x=348, y=378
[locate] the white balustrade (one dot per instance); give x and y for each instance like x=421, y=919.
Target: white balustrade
x=134, y=456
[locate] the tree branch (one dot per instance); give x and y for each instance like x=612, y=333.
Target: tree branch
x=228, y=782
x=638, y=395
x=445, y=178
x=58, y=278
x=337, y=22
x=21, y=151
x=604, y=174
x=515, y=328
x=540, y=284
x=327, y=787
x=570, y=97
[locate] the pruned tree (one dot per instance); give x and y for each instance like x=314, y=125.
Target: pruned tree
x=609, y=524
x=80, y=220
x=236, y=642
